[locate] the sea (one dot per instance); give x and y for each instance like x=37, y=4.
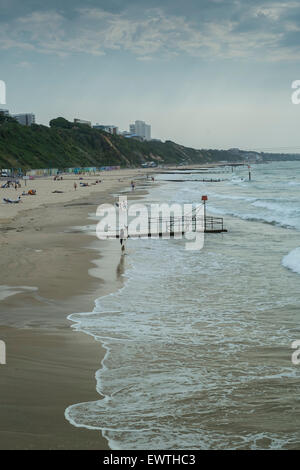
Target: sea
x=199, y=342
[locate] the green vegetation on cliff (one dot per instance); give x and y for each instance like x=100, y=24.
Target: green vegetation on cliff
x=65, y=144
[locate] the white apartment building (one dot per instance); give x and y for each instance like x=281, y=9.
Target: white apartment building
x=141, y=129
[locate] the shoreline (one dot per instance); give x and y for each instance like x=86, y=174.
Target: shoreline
x=52, y=273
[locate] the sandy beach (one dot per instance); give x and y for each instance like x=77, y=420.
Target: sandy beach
x=48, y=272
x=49, y=191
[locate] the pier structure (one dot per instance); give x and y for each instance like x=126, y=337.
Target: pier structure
x=177, y=226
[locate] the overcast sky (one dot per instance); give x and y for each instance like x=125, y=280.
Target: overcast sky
x=204, y=73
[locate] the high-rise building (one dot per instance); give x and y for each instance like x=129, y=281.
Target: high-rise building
x=25, y=119
x=147, y=132
x=141, y=129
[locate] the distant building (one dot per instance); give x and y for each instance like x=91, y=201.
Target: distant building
x=135, y=137
x=131, y=129
x=147, y=132
x=129, y=135
x=25, y=119
x=82, y=121
x=4, y=111
x=114, y=130
x=141, y=129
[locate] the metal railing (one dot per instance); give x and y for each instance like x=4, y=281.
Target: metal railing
x=184, y=224
x=213, y=224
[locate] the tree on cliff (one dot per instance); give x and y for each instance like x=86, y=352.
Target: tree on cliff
x=61, y=123
x=4, y=118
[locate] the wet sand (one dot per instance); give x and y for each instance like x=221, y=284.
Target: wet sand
x=48, y=272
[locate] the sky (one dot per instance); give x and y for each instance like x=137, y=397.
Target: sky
x=203, y=73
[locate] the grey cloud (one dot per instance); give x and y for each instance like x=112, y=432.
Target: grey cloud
x=222, y=29
x=291, y=39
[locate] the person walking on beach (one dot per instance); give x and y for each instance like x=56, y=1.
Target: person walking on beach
x=122, y=236
x=75, y=186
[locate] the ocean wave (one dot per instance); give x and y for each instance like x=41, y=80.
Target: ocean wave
x=187, y=341
x=281, y=207
x=232, y=198
x=292, y=261
x=275, y=220
x=276, y=204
